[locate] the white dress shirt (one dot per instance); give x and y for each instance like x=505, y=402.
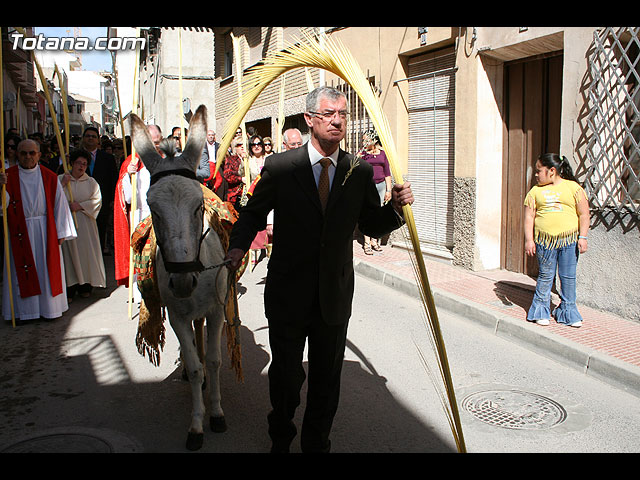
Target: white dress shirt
x=315, y=157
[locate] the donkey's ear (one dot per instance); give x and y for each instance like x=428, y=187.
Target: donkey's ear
x=197, y=137
x=143, y=143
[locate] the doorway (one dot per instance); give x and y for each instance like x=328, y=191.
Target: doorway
x=533, y=95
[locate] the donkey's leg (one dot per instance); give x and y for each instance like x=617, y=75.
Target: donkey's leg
x=198, y=327
x=215, y=322
x=184, y=332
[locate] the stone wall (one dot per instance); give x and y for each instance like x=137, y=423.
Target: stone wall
x=464, y=222
x=608, y=275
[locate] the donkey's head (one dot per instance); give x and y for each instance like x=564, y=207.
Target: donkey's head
x=175, y=200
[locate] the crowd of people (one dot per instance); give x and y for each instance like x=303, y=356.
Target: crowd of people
x=94, y=180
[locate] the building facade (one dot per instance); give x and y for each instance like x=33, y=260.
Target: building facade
x=175, y=61
x=239, y=48
x=471, y=109
x=22, y=104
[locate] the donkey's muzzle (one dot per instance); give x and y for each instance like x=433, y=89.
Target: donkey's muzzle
x=182, y=285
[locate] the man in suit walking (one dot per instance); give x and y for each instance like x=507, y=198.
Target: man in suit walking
x=309, y=288
x=102, y=167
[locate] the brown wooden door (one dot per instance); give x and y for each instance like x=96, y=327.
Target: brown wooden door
x=533, y=93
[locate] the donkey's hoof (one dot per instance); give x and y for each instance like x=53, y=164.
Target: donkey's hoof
x=195, y=441
x=218, y=424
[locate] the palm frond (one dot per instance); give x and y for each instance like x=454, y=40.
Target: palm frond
x=331, y=55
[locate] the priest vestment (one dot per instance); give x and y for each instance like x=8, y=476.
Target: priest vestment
x=38, y=216
x=122, y=218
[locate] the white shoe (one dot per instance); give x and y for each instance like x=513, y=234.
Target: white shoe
x=542, y=321
x=576, y=324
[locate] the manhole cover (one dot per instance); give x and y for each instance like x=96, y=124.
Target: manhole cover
x=73, y=440
x=61, y=443
x=515, y=409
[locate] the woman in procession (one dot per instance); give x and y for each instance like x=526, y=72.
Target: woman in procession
x=83, y=263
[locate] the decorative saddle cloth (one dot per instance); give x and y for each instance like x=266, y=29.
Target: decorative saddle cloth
x=150, y=336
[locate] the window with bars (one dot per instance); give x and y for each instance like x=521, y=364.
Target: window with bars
x=613, y=150
x=359, y=120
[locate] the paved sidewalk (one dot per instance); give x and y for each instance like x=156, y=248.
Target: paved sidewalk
x=606, y=346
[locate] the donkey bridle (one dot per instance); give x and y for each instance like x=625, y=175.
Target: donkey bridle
x=181, y=267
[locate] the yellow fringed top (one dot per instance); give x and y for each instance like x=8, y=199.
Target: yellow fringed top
x=556, y=221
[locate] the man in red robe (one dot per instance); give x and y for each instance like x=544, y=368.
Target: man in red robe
x=39, y=219
x=121, y=209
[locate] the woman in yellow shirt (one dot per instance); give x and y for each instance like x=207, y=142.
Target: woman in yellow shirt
x=555, y=229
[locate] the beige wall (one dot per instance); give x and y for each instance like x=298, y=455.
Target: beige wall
x=383, y=52
x=160, y=96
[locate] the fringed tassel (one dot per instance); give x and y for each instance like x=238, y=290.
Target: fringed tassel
x=232, y=329
x=150, y=337
x=556, y=241
x=234, y=349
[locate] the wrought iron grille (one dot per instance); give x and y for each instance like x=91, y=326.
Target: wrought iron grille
x=359, y=120
x=613, y=120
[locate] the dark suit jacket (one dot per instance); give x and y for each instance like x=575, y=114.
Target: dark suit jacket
x=106, y=174
x=312, y=255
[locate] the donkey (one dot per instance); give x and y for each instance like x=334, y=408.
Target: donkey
x=191, y=276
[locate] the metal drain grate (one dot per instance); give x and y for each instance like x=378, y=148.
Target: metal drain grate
x=73, y=440
x=58, y=443
x=515, y=409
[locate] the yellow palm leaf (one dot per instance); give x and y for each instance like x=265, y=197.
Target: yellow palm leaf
x=332, y=56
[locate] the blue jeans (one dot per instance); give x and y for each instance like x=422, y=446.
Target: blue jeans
x=564, y=260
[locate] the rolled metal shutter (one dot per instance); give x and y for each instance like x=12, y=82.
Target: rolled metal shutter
x=431, y=145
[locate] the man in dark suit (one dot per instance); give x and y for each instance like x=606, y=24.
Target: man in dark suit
x=310, y=282
x=102, y=167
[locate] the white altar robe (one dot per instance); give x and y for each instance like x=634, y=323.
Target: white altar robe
x=83, y=261
x=35, y=211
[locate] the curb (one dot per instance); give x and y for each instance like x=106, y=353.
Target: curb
x=591, y=362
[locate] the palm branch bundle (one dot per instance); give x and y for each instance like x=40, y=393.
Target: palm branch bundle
x=331, y=55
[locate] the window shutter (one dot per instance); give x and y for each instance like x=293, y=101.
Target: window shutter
x=431, y=146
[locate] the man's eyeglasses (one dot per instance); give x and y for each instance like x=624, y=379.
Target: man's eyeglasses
x=328, y=115
x=32, y=152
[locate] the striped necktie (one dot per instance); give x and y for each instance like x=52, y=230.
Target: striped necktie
x=323, y=183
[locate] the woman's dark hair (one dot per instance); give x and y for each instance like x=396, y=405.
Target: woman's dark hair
x=16, y=139
x=560, y=163
x=79, y=153
x=251, y=140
